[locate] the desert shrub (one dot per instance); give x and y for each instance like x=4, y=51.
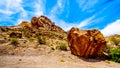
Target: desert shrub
x=3, y=29
x=115, y=55
x=115, y=40
x=41, y=40
x=27, y=34
x=62, y=46
x=14, y=41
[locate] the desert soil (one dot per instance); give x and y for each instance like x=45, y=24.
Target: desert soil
x=52, y=59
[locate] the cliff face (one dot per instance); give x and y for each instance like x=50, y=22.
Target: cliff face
x=86, y=43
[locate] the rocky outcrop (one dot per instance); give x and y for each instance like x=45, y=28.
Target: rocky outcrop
x=86, y=43
x=46, y=23
x=24, y=24
x=41, y=22
x=15, y=35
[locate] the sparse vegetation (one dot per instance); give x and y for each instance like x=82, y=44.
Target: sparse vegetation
x=14, y=41
x=115, y=40
x=41, y=40
x=62, y=46
x=4, y=29
x=112, y=48
x=62, y=60
x=44, y=41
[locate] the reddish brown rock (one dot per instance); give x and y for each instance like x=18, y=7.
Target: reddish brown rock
x=46, y=23
x=16, y=35
x=86, y=43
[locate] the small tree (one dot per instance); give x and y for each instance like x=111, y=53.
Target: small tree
x=62, y=46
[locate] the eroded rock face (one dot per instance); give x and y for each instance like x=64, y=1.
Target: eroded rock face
x=86, y=43
x=46, y=23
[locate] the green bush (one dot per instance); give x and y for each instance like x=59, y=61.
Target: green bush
x=115, y=55
x=62, y=46
x=14, y=41
x=41, y=40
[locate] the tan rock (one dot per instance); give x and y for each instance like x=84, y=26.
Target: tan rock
x=24, y=24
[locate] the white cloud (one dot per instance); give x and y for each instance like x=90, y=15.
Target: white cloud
x=39, y=7
x=67, y=25
x=6, y=12
x=19, y=21
x=64, y=25
x=59, y=7
x=86, y=22
x=57, y=10
x=86, y=4
x=113, y=28
x=10, y=7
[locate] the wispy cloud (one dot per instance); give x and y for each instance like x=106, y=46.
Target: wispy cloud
x=39, y=7
x=59, y=7
x=57, y=10
x=12, y=7
x=113, y=28
x=87, y=4
x=86, y=22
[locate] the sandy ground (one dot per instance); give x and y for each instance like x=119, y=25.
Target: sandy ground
x=56, y=59
x=44, y=57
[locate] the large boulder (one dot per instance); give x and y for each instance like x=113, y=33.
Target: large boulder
x=86, y=43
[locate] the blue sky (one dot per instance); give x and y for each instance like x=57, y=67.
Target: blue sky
x=84, y=14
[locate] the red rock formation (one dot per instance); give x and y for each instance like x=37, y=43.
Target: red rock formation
x=46, y=23
x=86, y=43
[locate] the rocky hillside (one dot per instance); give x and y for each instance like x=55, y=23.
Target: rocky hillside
x=40, y=31
x=113, y=41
